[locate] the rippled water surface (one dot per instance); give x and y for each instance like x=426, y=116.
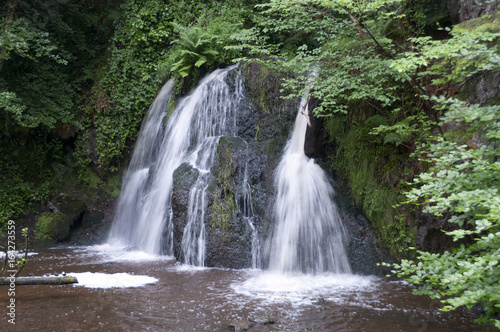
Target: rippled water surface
x=132, y=291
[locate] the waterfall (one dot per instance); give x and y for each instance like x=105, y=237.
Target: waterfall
x=143, y=218
x=309, y=234
x=249, y=217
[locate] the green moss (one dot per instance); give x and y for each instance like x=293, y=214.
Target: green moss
x=264, y=86
x=90, y=179
x=223, y=203
x=52, y=226
x=55, y=226
x=376, y=181
x=112, y=186
x=486, y=23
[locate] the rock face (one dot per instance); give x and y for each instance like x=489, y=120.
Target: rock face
x=464, y=10
x=362, y=249
x=184, y=177
x=483, y=88
x=229, y=236
x=240, y=187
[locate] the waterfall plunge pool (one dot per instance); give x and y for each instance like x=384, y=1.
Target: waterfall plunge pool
x=169, y=296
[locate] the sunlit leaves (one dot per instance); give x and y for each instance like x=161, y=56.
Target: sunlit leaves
x=463, y=182
x=465, y=54
x=193, y=48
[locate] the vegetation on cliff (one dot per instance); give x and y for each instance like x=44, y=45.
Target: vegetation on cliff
x=407, y=141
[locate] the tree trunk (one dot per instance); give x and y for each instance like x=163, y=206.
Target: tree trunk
x=52, y=280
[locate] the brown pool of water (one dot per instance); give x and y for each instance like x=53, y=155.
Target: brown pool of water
x=190, y=299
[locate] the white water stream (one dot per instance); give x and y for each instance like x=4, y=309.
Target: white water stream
x=309, y=235
x=144, y=217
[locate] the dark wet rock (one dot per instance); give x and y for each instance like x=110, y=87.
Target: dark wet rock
x=431, y=234
x=246, y=324
x=228, y=233
x=483, y=88
x=362, y=248
x=319, y=301
x=92, y=230
x=55, y=226
x=71, y=206
x=184, y=177
x=464, y=10
x=229, y=207
x=240, y=325
x=271, y=112
x=91, y=218
x=261, y=320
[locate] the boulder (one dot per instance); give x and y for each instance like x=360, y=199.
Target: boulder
x=464, y=10
x=184, y=177
x=66, y=212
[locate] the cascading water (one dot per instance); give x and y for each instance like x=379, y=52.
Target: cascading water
x=249, y=216
x=128, y=225
x=309, y=233
x=144, y=218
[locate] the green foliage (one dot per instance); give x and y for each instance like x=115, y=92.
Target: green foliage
x=202, y=46
x=140, y=58
x=349, y=67
x=21, y=39
x=463, y=183
x=25, y=176
x=457, y=58
x=193, y=48
x=11, y=104
x=48, y=50
x=388, y=90
x=44, y=47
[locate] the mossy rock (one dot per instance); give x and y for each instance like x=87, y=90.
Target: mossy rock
x=184, y=178
x=72, y=207
x=55, y=225
x=485, y=23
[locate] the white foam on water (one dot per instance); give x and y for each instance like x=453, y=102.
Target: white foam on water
x=188, y=268
x=300, y=289
x=116, y=252
x=115, y=280
x=19, y=254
